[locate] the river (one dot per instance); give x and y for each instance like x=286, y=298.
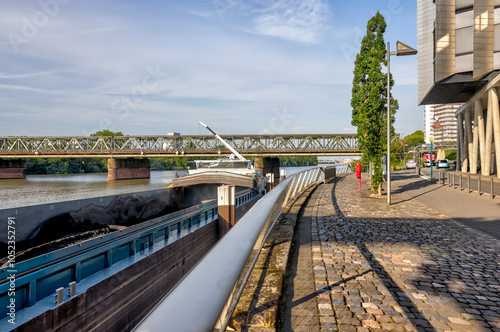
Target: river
x=43, y=189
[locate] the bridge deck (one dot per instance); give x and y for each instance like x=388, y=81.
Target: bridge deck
x=177, y=146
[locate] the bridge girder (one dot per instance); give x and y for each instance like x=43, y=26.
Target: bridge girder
x=174, y=146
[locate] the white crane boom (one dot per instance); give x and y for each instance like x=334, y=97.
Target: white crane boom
x=240, y=157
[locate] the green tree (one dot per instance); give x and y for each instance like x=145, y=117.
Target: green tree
x=369, y=97
x=397, y=154
x=415, y=139
x=107, y=132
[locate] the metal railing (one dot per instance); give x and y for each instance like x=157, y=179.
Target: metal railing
x=39, y=277
x=185, y=145
x=206, y=297
x=470, y=183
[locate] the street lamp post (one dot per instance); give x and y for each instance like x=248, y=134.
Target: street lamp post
x=432, y=161
x=401, y=49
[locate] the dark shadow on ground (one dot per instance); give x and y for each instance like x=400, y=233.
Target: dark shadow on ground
x=396, y=292
x=448, y=275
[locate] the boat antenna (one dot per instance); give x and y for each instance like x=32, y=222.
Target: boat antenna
x=240, y=157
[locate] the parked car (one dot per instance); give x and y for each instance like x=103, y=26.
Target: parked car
x=427, y=163
x=410, y=163
x=442, y=163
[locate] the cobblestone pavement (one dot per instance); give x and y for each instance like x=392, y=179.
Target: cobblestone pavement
x=403, y=267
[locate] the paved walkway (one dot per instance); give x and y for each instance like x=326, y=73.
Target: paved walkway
x=481, y=213
x=301, y=310
x=404, y=267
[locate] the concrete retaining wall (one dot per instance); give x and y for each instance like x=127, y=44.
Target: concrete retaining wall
x=29, y=218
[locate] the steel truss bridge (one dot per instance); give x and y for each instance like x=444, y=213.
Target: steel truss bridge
x=177, y=146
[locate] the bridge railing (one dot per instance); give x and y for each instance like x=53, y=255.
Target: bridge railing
x=35, y=147
x=206, y=297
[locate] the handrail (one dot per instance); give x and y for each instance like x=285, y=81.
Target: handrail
x=199, y=300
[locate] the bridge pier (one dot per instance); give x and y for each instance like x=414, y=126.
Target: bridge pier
x=12, y=169
x=128, y=168
x=268, y=165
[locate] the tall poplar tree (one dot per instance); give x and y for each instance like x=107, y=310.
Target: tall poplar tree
x=369, y=97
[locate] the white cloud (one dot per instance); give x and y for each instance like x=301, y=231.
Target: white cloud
x=295, y=20
x=29, y=89
x=34, y=74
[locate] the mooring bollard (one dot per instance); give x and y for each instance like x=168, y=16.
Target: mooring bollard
x=492, y=194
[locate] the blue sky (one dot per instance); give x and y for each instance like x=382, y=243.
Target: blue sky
x=150, y=67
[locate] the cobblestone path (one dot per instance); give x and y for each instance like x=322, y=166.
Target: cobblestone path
x=403, y=267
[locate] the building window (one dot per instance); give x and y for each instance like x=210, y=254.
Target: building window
x=464, y=36
x=464, y=43
x=463, y=4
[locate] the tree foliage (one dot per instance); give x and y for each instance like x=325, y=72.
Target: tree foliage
x=65, y=165
x=369, y=96
x=107, y=132
x=414, y=139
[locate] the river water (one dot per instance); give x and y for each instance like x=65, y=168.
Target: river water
x=43, y=189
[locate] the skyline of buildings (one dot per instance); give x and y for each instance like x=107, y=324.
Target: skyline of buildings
x=440, y=123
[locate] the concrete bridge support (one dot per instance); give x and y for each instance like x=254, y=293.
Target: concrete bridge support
x=269, y=165
x=12, y=169
x=226, y=208
x=129, y=168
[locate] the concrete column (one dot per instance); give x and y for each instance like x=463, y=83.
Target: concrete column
x=12, y=169
x=465, y=146
x=268, y=165
x=445, y=39
x=475, y=144
x=488, y=140
x=460, y=127
x=468, y=129
x=479, y=122
x=484, y=34
x=226, y=209
x=496, y=126
x=129, y=168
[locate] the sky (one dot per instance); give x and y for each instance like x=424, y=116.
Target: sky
x=71, y=68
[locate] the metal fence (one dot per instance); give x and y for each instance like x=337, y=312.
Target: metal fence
x=206, y=297
x=470, y=183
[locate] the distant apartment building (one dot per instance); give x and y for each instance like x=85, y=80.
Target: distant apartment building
x=459, y=62
x=440, y=123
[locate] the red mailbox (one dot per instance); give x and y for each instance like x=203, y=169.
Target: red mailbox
x=358, y=173
x=358, y=170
